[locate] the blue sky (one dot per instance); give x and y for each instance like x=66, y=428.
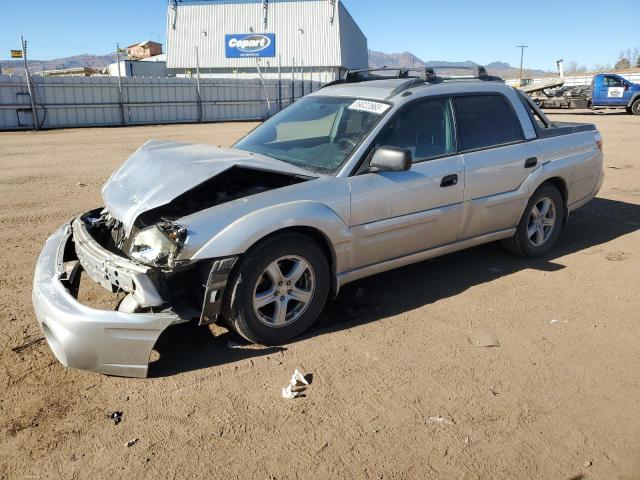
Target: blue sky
x=589, y=32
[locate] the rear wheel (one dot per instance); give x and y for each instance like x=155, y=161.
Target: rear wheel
x=540, y=224
x=635, y=107
x=278, y=289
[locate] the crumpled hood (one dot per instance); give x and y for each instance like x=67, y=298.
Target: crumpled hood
x=158, y=172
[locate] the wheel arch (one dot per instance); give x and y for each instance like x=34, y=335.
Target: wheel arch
x=633, y=99
x=561, y=185
x=312, y=219
x=314, y=234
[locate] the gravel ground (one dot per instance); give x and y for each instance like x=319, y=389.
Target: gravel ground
x=398, y=389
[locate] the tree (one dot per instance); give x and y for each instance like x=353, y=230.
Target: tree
x=638, y=62
x=623, y=64
x=571, y=66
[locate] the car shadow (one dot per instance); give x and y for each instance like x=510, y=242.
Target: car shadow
x=188, y=347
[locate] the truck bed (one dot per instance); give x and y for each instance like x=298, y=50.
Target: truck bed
x=564, y=128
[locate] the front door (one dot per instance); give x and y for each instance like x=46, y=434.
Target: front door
x=394, y=214
x=612, y=90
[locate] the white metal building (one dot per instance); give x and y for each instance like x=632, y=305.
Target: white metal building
x=310, y=39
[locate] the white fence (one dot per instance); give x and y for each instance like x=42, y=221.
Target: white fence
x=99, y=101
x=575, y=81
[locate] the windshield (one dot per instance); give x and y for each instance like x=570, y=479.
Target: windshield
x=316, y=133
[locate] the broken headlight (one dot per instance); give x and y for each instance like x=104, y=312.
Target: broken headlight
x=159, y=245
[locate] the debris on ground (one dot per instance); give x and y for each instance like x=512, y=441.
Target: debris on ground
x=297, y=379
x=232, y=344
x=617, y=256
x=289, y=392
x=588, y=463
x=441, y=420
x=555, y=320
x=132, y=442
x=81, y=184
x=116, y=417
x=24, y=346
x=483, y=340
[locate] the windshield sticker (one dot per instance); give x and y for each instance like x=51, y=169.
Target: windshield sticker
x=371, y=107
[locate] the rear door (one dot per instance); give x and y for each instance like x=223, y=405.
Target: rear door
x=394, y=214
x=497, y=160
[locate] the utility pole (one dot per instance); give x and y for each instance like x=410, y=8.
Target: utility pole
x=198, y=91
x=23, y=43
x=121, y=98
x=521, y=47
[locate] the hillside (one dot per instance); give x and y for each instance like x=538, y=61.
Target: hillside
x=82, y=60
x=409, y=60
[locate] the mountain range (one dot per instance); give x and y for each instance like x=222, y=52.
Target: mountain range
x=409, y=60
x=376, y=59
x=82, y=60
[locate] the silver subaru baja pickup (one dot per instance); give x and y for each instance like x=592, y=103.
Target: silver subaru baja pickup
x=367, y=174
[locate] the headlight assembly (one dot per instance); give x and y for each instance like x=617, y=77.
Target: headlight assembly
x=159, y=245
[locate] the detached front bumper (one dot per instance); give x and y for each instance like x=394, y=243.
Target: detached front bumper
x=109, y=342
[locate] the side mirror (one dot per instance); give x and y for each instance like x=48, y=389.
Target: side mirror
x=392, y=159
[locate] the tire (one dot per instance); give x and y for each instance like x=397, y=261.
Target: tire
x=538, y=244
x=252, y=283
x=635, y=107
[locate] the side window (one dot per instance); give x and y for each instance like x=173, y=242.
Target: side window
x=485, y=121
x=425, y=128
x=611, y=81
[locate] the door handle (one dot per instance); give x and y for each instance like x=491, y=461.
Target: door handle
x=530, y=162
x=449, y=180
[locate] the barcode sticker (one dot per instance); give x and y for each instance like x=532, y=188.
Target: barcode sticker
x=368, y=106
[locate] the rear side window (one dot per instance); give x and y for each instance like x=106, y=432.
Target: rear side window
x=485, y=121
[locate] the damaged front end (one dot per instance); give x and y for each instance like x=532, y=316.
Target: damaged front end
x=153, y=276
x=111, y=342
x=136, y=246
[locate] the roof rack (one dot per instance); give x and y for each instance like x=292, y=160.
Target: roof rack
x=419, y=75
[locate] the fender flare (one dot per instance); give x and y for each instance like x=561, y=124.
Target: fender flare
x=238, y=237
x=537, y=178
x=636, y=96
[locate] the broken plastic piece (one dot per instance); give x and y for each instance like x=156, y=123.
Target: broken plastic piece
x=289, y=393
x=132, y=442
x=298, y=378
x=441, y=420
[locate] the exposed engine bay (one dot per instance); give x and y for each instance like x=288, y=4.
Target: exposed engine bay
x=232, y=184
x=157, y=238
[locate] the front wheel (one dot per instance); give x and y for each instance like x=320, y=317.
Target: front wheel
x=278, y=289
x=540, y=224
x=635, y=107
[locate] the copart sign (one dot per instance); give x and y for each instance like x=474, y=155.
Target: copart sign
x=250, y=45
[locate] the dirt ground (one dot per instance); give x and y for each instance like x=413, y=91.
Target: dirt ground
x=559, y=398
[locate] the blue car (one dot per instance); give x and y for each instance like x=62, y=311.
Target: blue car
x=612, y=91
